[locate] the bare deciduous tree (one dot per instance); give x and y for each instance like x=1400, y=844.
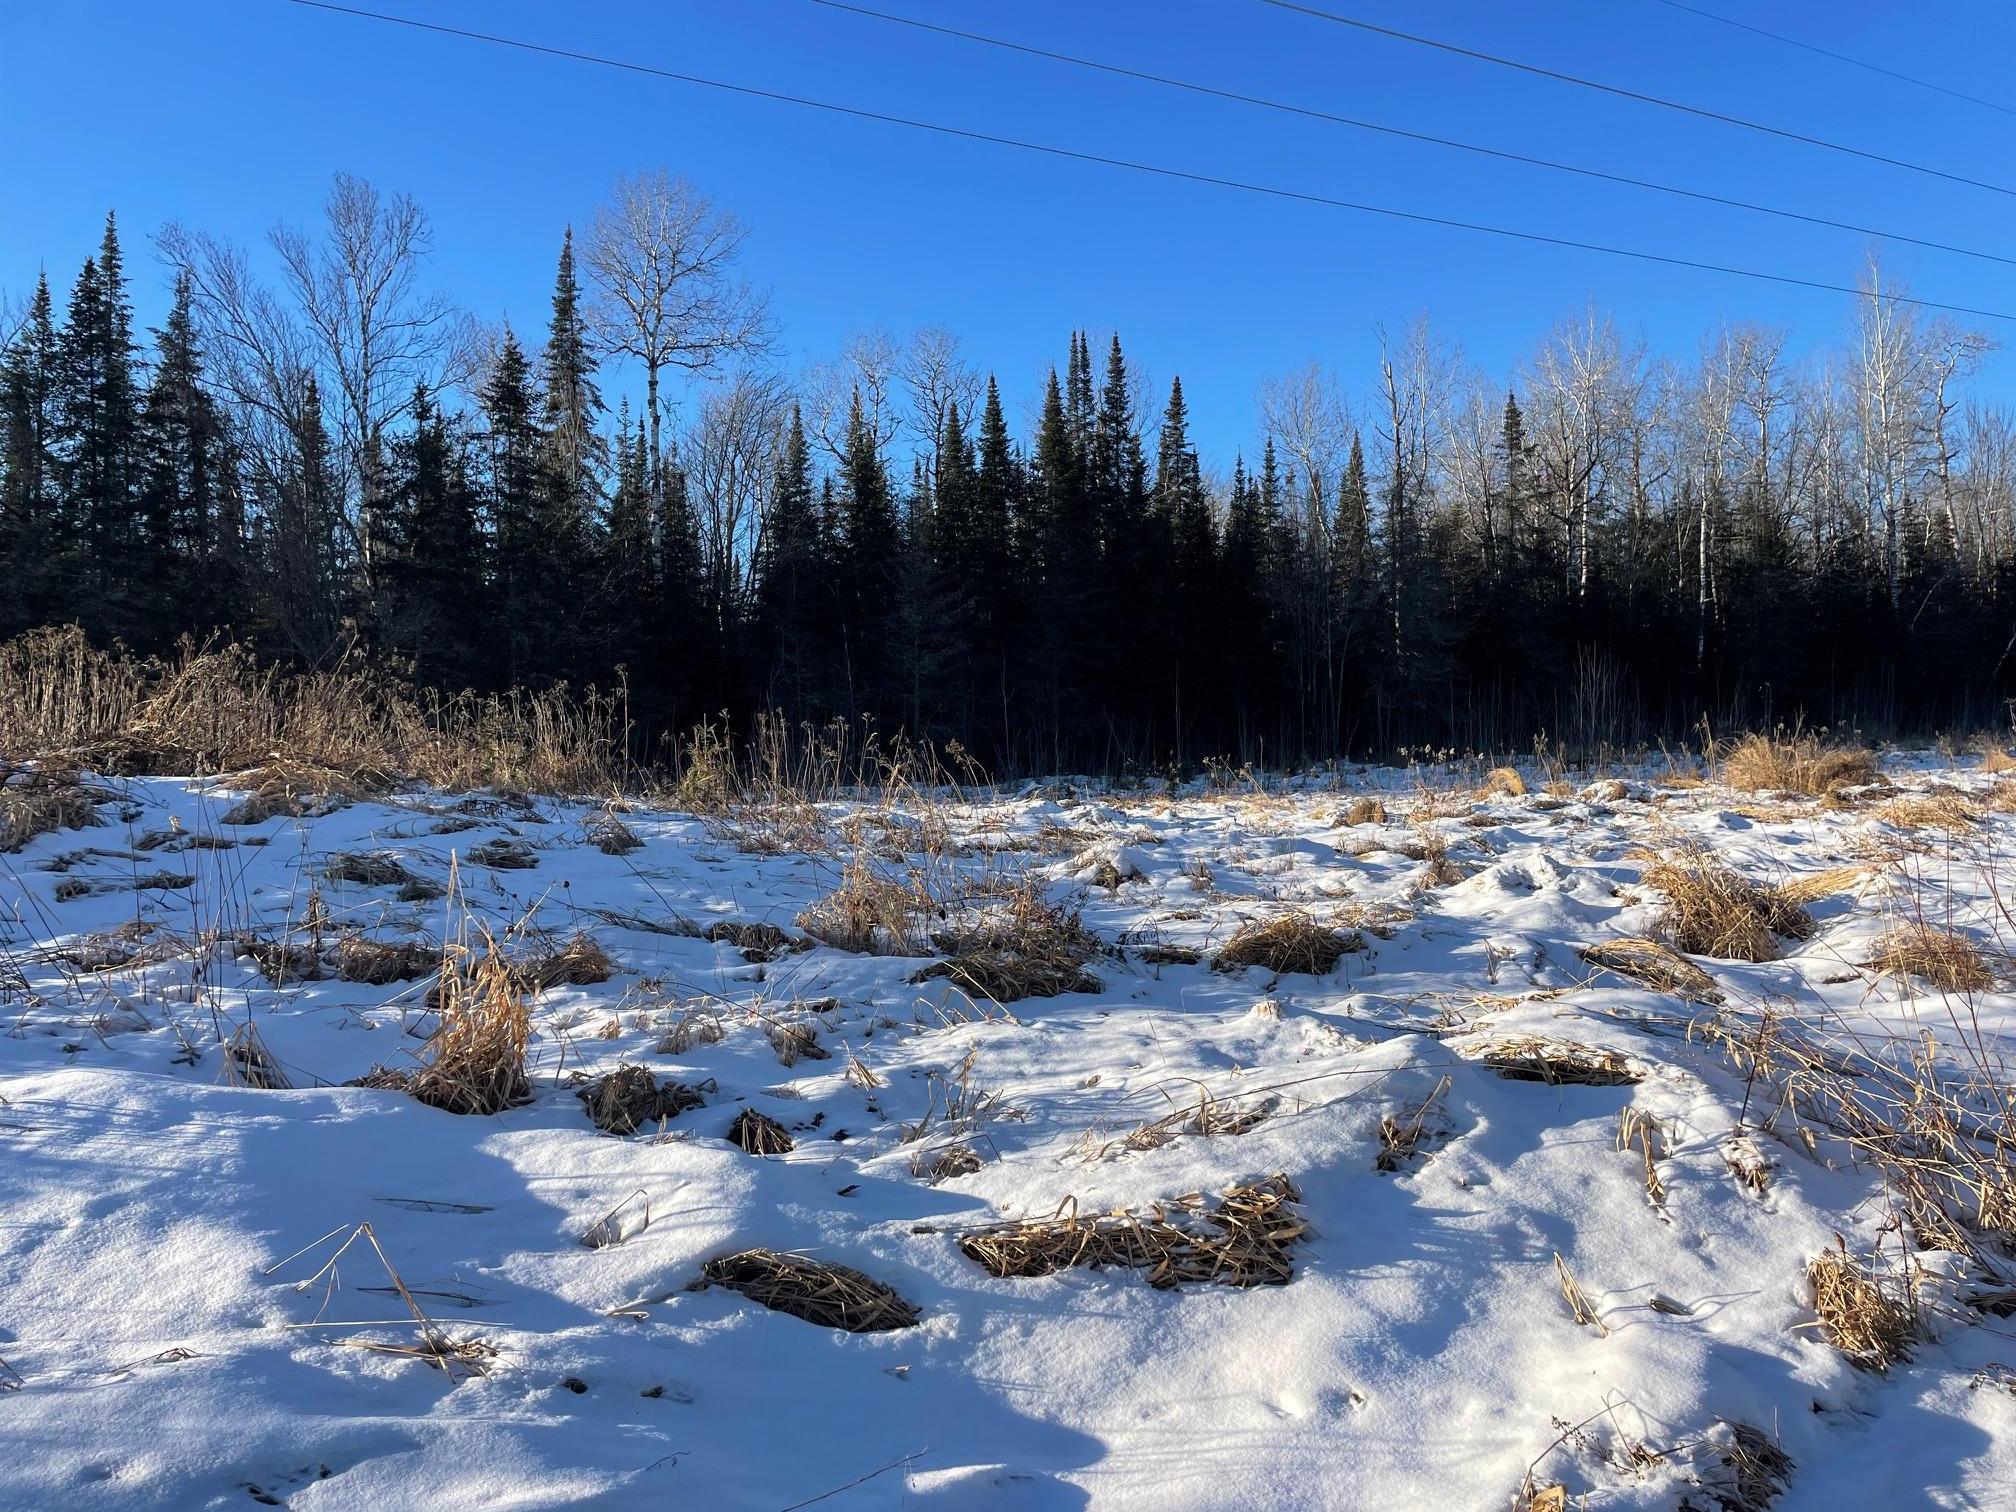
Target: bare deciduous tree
x=663, y=260
x=376, y=334
x=729, y=455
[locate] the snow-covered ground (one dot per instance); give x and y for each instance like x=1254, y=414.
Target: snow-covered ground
x=159, y=1218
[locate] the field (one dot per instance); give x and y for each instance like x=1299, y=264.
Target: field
x=1437, y=1138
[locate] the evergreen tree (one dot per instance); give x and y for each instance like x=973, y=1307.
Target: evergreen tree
x=31, y=508
x=792, y=587
x=867, y=569
x=101, y=547
x=186, y=529
x=513, y=492
x=434, y=608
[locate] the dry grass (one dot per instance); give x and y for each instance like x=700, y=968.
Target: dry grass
x=1648, y=1134
x=871, y=912
x=1872, y=1323
x=1246, y=1239
x=1714, y=911
x=1655, y=965
x=42, y=802
x=610, y=835
x=1804, y=764
x=1579, y=1305
x=757, y=942
x=833, y=1296
x=368, y=869
x=1948, y=960
x=581, y=962
x=1825, y=883
x=1558, y=1063
x=214, y=708
x=1017, y=947
x=1503, y=782
x=1363, y=811
x=760, y=1134
x=631, y=1098
x=1292, y=943
x=1952, y=813
x=474, y=1062
x=248, y=1063
x=378, y=963
x=1401, y=1135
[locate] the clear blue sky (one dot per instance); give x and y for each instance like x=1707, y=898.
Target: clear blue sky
x=228, y=114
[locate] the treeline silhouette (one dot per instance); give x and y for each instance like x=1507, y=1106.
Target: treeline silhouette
x=1610, y=547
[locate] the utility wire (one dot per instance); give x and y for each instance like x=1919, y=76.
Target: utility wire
x=1413, y=136
x=1183, y=175
x=1876, y=68
x=1633, y=94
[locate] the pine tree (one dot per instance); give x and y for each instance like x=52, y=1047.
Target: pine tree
x=186, y=535
x=30, y=503
x=512, y=494
x=570, y=484
x=433, y=606
x=868, y=568
x=97, y=425
x=786, y=621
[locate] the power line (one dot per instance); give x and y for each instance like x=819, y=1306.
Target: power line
x=1310, y=113
x=1183, y=175
x=1632, y=94
x=1876, y=68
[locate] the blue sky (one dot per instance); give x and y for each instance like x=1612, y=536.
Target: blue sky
x=229, y=114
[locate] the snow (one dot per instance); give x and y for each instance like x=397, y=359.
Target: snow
x=157, y=1221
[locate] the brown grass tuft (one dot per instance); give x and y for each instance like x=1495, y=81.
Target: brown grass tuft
x=475, y=1060
x=1503, y=782
x=1558, y=1063
x=39, y=803
x=377, y=963
x=1714, y=911
x=1873, y=1324
x=631, y=1098
x=1363, y=811
x=581, y=962
x=1654, y=964
x=833, y=1296
x=1247, y=1239
x=1019, y=947
x=1796, y=764
x=1949, y=961
x=1824, y=883
x=760, y=1134
x=1294, y=942
x=1954, y=813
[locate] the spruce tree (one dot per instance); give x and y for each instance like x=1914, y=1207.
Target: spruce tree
x=868, y=568
x=184, y=484
x=30, y=502
x=97, y=424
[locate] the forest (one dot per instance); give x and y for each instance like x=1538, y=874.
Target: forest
x=318, y=455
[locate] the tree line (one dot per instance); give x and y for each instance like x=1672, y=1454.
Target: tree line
x=1604, y=546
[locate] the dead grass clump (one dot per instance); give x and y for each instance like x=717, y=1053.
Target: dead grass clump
x=290, y=790
x=1246, y=1239
x=696, y=1026
x=631, y=1098
x=833, y=1296
x=871, y=912
x=1741, y=1468
x=368, y=869
x=757, y=942
x=1294, y=942
x=795, y=1042
x=952, y=1161
x=1825, y=883
x=1869, y=1322
x=39, y=803
x=377, y=963
x=1656, y=965
x=1714, y=911
x=1996, y=758
x=610, y=835
x=474, y=1062
x=248, y=1063
x=281, y=963
x=760, y=1134
x=1796, y=764
x=1503, y=782
x=1363, y=811
x=1021, y=946
x=1559, y=1063
x=1402, y=1136
x=504, y=855
x=581, y=962
x=1949, y=961
x=1954, y=813
x=1167, y=955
